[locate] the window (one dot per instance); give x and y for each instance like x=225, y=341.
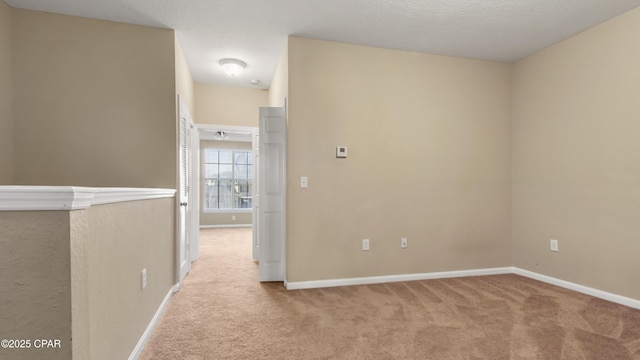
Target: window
x=228, y=178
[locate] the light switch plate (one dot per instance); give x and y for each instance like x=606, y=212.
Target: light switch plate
x=304, y=182
x=144, y=278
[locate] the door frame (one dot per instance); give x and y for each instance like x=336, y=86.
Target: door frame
x=180, y=272
x=201, y=134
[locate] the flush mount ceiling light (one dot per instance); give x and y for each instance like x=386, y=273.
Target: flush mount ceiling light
x=233, y=67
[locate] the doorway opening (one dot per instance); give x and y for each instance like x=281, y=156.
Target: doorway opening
x=232, y=179
x=225, y=169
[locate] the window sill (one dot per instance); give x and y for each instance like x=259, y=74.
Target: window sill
x=226, y=211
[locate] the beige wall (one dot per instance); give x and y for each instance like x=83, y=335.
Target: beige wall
x=35, y=282
x=6, y=96
x=94, y=102
x=221, y=218
x=428, y=159
x=226, y=105
x=184, y=79
x=111, y=244
x=78, y=274
x=576, y=163
x=279, y=89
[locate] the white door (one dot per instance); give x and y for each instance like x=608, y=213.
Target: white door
x=272, y=191
x=184, y=153
x=255, y=144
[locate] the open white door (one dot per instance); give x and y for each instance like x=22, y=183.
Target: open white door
x=255, y=144
x=272, y=194
x=184, y=223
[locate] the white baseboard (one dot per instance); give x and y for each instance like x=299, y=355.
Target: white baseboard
x=135, y=354
x=393, y=278
x=225, y=226
x=622, y=300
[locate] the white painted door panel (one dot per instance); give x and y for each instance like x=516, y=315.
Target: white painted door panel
x=256, y=194
x=272, y=194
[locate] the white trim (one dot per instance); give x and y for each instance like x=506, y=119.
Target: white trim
x=28, y=198
x=618, y=299
x=116, y=195
x=135, y=354
x=228, y=211
x=205, y=130
x=195, y=194
x=394, y=278
x=225, y=226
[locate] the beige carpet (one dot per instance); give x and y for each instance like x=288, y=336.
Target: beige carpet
x=222, y=312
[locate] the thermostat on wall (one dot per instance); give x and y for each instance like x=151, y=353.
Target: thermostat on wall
x=341, y=152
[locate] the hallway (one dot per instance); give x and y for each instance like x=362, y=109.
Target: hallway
x=220, y=295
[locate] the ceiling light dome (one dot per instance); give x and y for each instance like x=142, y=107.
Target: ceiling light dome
x=233, y=67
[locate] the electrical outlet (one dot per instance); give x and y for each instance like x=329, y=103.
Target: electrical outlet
x=144, y=278
x=553, y=245
x=403, y=243
x=365, y=244
x=341, y=152
x=233, y=217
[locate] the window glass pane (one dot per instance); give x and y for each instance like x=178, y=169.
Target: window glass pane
x=241, y=157
x=242, y=195
x=210, y=170
x=211, y=194
x=226, y=171
x=210, y=156
x=225, y=194
x=243, y=188
x=241, y=172
x=227, y=179
x=246, y=202
x=226, y=157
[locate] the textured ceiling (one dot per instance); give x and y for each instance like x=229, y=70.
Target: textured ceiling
x=255, y=31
